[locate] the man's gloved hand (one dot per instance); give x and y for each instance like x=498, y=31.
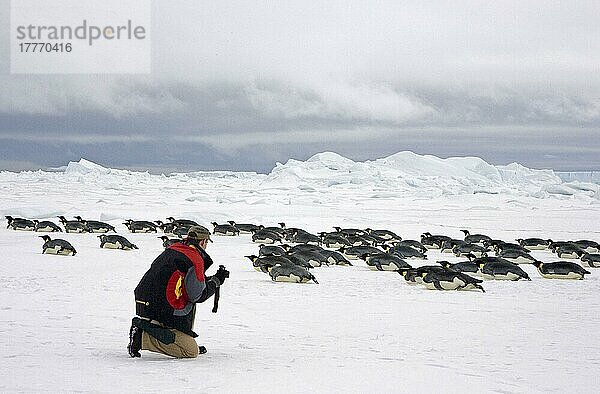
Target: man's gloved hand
x=221, y=274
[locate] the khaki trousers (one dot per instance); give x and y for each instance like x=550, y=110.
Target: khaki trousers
x=184, y=346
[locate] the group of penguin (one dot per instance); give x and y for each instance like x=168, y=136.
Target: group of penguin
x=79, y=225
x=384, y=250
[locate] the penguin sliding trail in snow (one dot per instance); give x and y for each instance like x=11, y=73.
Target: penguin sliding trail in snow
x=114, y=241
x=57, y=246
x=560, y=270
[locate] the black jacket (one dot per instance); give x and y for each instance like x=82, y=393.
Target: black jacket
x=173, y=285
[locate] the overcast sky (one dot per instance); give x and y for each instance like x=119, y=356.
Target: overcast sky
x=241, y=85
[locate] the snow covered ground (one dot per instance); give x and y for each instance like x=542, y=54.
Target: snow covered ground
x=64, y=320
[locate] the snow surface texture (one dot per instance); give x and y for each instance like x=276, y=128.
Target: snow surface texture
x=64, y=320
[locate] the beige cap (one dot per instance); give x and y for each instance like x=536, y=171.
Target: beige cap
x=199, y=233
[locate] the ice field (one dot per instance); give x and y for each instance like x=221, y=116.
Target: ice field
x=64, y=320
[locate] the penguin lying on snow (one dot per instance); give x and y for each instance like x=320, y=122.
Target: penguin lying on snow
x=450, y=280
x=291, y=273
x=140, y=226
x=593, y=260
x=266, y=236
x=335, y=258
x=346, y=232
x=115, y=242
x=225, y=229
x=406, y=252
x=413, y=244
x=560, y=270
x=534, y=243
x=588, y=246
x=475, y=238
x=95, y=226
x=463, y=250
x=334, y=240
x=569, y=252
x=356, y=252
x=73, y=226
x=385, y=262
x=448, y=245
x=57, y=246
x=502, y=270
x=20, y=224
x=433, y=241
x=314, y=259
x=182, y=222
x=414, y=276
x=46, y=226
x=169, y=241
x=466, y=267
x=265, y=263
x=270, y=250
x=516, y=256
x=245, y=228
x=304, y=237
x=386, y=235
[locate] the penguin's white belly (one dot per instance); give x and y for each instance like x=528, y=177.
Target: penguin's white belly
x=314, y=263
x=568, y=255
x=291, y=278
x=520, y=260
x=52, y=250
x=264, y=240
x=112, y=245
x=570, y=275
x=536, y=247
x=45, y=230
x=446, y=285
x=100, y=230
x=508, y=276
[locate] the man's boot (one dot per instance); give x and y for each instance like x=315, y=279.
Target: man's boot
x=135, y=341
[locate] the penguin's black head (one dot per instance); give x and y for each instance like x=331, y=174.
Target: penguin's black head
x=537, y=263
x=281, y=224
x=46, y=238
x=231, y=222
x=252, y=257
x=466, y=232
